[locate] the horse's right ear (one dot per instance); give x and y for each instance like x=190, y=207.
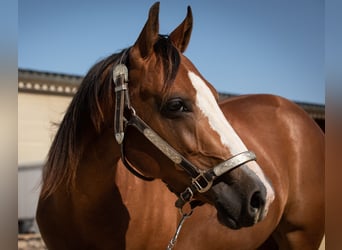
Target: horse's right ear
x=149, y=33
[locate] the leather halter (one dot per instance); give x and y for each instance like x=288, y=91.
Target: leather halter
x=202, y=180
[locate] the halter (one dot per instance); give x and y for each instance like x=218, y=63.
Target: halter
x=202, y=180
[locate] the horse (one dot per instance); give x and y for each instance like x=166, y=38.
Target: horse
x=245, y=173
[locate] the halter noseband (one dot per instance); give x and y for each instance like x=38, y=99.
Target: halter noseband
x=202, y=180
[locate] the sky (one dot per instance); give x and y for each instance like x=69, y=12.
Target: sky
x=239, y=46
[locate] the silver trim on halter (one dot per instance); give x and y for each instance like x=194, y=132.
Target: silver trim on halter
x=120, y=78
x=119, y=71
x=235, y=161
x=162, y=146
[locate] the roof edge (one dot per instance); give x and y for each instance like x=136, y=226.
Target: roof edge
x=44, y=82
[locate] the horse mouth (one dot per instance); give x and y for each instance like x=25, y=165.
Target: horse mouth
x=234, y=220
x=225, y=219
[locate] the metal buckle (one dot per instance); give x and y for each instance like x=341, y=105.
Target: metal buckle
x=199, y=185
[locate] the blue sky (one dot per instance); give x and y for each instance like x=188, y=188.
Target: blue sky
x=240, y=46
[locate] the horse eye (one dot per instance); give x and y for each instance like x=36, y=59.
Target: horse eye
x=174, y=106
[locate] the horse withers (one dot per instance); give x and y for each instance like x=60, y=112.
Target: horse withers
x=149, y=106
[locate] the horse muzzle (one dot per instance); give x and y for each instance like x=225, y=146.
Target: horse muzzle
x=240, y=199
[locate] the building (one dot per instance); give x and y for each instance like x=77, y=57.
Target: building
x=42, y=100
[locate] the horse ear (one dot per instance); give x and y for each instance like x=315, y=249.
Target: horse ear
x=181, y=35
x=149, y=34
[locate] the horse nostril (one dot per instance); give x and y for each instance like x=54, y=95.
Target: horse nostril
x=257, y=201
x=257, y=206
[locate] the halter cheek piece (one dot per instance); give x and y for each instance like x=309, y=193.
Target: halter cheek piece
x=202, y=180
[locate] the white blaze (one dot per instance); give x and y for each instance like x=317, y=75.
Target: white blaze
x=206, y=102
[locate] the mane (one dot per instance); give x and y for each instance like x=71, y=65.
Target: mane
x=169, y=56
x=95, y=94
x=65, y=151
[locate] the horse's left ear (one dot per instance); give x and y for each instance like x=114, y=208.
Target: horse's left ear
x=181, y=35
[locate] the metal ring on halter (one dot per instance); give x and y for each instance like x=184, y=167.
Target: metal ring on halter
x=188, y=192
x=188, y=214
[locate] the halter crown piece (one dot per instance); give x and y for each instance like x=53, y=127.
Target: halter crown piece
x=120, y=78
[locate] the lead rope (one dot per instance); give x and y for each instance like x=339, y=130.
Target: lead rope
x=173, y=241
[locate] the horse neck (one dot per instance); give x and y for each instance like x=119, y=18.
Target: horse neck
x=97, y=166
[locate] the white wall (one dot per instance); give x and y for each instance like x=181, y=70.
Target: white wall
x=37, y=114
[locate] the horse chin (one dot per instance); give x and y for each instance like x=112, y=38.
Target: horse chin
x=234, y=223
x=225, y=219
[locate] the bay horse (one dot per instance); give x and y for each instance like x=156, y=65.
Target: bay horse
x=254, y=171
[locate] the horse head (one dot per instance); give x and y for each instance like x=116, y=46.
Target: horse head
x=173, y=100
